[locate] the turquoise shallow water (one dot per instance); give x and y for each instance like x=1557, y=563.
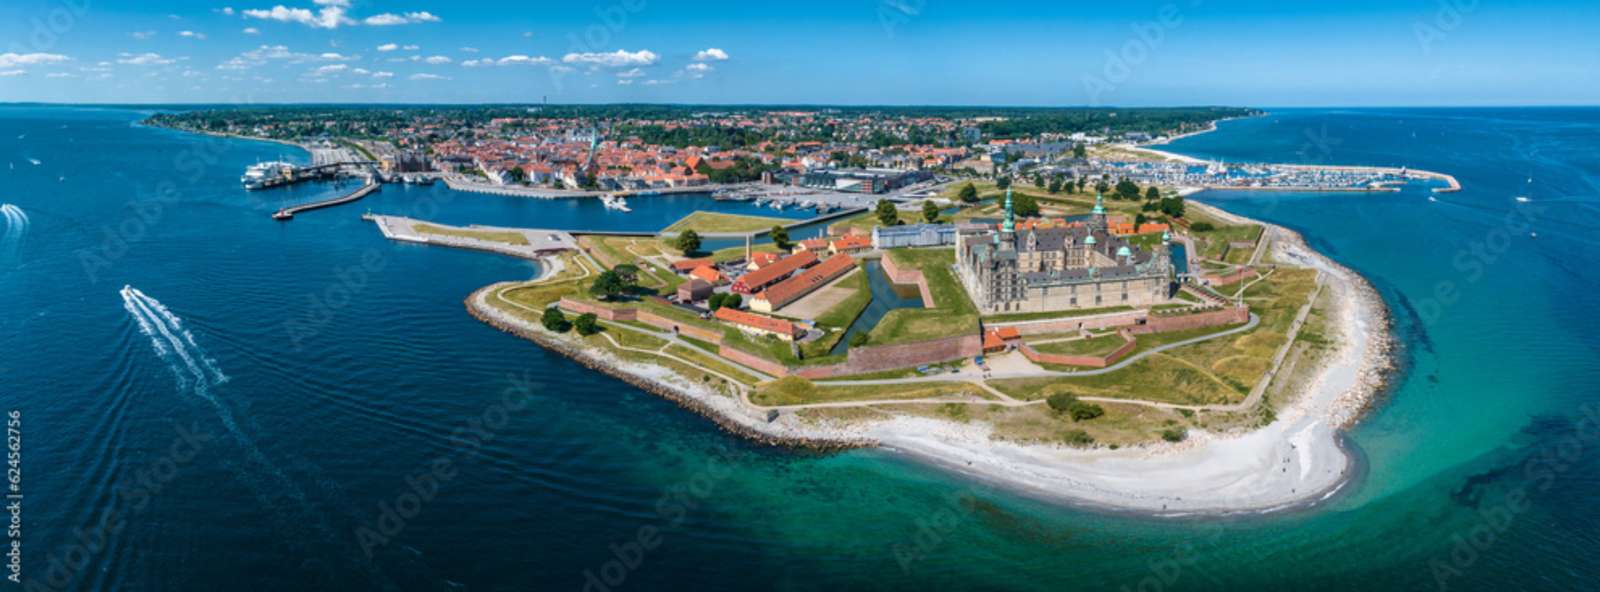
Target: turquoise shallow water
x=351, y=367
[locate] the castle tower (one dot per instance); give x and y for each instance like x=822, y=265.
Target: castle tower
x=1097, y=217
x=1008, y=229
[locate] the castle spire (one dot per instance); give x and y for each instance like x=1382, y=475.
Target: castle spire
x=1011, y=216
x=1097, y=217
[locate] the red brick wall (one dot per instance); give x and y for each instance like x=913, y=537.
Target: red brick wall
x=610, y=314
x=1085, y=361
x=1216, y=318
x=908, y=276
x=1223, y=280
x=1125, y=319
x=686, y=330
x=875, y=358
x=756, y=362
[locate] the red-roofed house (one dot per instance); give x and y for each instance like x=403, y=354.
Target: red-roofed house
x=782, y=293
x=849, y=243
x=758, y=324
x=708, y=274
x=762, y=259
x=759, y=279
x=811, y=244
x=688, y=265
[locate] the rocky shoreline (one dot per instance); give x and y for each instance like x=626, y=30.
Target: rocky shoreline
x=693, y=398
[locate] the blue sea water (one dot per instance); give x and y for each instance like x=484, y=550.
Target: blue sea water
x=313, y=409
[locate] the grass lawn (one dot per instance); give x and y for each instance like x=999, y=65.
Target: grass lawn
x=1214, y=243
x=1093, y=346
x=703, y=222
x=953, y=312
x=868, y=220
x=846, y=311
x=497, y=236
x=793, y=390
x=1156, y=378
x=737, y=252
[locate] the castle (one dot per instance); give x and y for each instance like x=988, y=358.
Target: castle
x=1077, y=266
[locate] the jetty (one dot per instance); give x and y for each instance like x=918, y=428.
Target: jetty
x=289, y=212
x=527, y=243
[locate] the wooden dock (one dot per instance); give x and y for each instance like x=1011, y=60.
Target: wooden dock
x=289, y=212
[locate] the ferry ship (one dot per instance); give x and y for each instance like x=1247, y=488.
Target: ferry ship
x=267, y=174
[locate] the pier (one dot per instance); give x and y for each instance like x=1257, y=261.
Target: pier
x=527, y=243
x=289, y=212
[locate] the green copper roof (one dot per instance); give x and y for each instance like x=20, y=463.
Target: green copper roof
x=1099, y=204
x=1011, y=217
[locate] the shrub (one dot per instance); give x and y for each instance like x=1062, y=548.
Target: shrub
x=1081, y=411
x=1078, y=438
x=555, y=321
x=586, y=324
x=1178, y=434
x=1202, y=227
x=859, y=339
x=1061, y=402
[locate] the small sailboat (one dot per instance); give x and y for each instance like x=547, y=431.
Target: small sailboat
x=1522, y=199
x=35, y=161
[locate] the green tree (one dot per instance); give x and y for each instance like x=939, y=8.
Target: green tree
x=930, y=211
x=1038, y=181
x=1152, y=194
x=717, y=300
x=1003, y=183
x=608, y=285
x=967, y=194
x=1127, y=189
x=886, y=212
x=628, y=272
x=1101, y=187
x=516, y=175
x=1079, y=151
x=780, y=237
x=688, y=242
x=733, y=300
x=1177, y=434
x=555, y=321
x=1055, y=185
x=586, y=324
x=1173, y=206
x=1025, y=205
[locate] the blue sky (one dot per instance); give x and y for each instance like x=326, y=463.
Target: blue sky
x=1183, y=52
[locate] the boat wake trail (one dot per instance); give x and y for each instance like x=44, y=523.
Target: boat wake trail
x=16, y=225
x=198, y=373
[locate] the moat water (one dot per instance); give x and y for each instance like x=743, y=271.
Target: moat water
x=268, y=405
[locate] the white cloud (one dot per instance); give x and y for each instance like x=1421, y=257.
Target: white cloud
x=616, y=59
x=11, y=60
x=228, y=10
x=329, y=70
x=469, y=50
x=262, y=54
x=411, y=47
x=389, y=19
x=521, y=60
x=60, y=75
x=251, y=31
x=634, y=73
x=334, y=57
x=10, y=73
x=144, y=59
x=710, y=55
x=388, y=47
x=438, y=59
x=192, y=35
x=697, y=70
x=330, y=16
x=624, y=82
x=426, y=76
x=142, y=35
x=383, y=74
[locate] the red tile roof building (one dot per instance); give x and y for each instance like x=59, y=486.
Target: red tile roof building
x=782, y=293
x=759, y=279
x=758, y=324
